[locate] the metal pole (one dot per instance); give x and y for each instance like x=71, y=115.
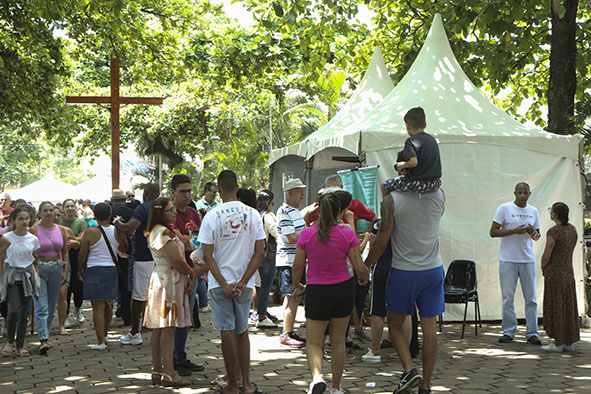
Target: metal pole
x=270, y=125
x=160, y=172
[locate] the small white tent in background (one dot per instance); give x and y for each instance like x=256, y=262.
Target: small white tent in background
x=97, y=189
x=45, y=189
x=311, y=159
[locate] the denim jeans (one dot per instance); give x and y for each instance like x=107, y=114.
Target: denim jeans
x=202, y=292
x=180, y=341
x=48, y=296
x=267, y=273
x=509, y=273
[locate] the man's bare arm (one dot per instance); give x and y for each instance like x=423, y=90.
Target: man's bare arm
x=386, y=226
x=127, y=227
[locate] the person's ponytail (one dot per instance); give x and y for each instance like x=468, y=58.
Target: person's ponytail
x=561, y=210
x=328, y=211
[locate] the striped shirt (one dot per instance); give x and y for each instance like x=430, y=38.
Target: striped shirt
x=289, y=221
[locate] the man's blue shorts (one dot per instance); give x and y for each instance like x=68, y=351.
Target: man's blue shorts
x=425, y=288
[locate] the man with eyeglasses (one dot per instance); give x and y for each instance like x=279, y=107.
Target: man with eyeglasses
x=131, y=202
x=187, y=220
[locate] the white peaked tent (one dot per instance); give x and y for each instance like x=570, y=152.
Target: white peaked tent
x=45, y=189
x=484, y=153
x=311, y=159
x=97, y=188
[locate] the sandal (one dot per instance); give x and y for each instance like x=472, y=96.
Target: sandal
x=180, y=382
x=156, y=378
x=256, y=389
x=7, y=351
x=23, y=352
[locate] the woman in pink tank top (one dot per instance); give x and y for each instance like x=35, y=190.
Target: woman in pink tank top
x=53, y=270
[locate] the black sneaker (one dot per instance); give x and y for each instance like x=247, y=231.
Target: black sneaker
x=534, y=340
x=408, y=381
x=182, y=371
x=386, y=344
x=505, y=339
x=191, y=366
x=424, y=391
x=294, y=335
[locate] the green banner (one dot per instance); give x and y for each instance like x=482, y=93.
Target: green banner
x=363, y=185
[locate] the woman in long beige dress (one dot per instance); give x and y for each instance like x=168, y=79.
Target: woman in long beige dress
x=561, y=318
x=168, y=302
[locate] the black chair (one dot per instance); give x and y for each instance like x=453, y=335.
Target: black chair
x=460, y=287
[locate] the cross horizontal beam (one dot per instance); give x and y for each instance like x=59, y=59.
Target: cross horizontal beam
x=107, y=100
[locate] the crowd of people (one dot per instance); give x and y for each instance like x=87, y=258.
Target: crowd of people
x=168, y=260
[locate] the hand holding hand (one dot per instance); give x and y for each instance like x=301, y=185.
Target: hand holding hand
x=363, y=276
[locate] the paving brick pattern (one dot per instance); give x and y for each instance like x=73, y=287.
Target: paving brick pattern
x=476, y=364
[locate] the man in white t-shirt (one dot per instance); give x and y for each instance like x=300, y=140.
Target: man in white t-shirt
x=517, y=224
x=290, y=224
x=232, y=237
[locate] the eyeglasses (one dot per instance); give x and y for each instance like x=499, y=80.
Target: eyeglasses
x=188, y=191
x=171, y=210
x=131, y=196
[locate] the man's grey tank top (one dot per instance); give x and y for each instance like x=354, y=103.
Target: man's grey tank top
x=415, y=242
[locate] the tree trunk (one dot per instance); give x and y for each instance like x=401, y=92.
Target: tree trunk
x=563, y=80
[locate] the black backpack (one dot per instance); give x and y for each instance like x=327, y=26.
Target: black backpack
x=270, y=246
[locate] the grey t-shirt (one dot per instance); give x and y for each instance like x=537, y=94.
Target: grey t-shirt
x=415, y=242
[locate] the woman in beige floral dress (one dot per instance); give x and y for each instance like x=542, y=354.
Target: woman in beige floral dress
x=168, y=301
x=561, y=318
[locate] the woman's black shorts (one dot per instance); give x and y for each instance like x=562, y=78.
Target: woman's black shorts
x=324, y=302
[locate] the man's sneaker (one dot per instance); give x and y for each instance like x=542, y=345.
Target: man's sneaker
x=371, y=358
x=182, y=371
x=288, y=340
x=361, y=335
x=534, y=340
x=317, y=387
x=191, y=366
x=386, y=344
x=505, y=339
x=424, y=391
x=266, y=323
x=274, y=319
x=205, y=309
x=336, y=391
x=79, y=316
x=408, y=381
x=131, y=339
x=568, y=348
x=551, y=347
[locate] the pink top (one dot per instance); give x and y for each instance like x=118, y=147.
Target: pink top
x=47, y=248
x=327, y=263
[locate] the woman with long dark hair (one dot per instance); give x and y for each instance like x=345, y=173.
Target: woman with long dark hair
x=168, y=296
x=330, y=290
x=267, y=267
x=561, y=318
x=53, y=269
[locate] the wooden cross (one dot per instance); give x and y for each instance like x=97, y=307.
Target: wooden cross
x=115, y=102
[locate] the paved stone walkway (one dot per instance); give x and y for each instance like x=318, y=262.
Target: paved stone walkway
x=476, y=364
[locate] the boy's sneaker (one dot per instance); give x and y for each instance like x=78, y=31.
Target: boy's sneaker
x=292, y=340
x=408, y=381
x=424, y=391
x=361, y=335
x=371, y=358
x=317, y=387
x=505, y=339
x=131, y=339
x=266, y=323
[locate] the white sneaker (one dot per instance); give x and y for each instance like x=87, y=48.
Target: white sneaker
x=102, y=346
x=568, y=348
x=131, y=339
x=266, y=323
x=317, y=387
x=205, y=309
x=551, y=347
x=79, y=316
x=371, y=358
x=336, y=391
x=68, y=323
